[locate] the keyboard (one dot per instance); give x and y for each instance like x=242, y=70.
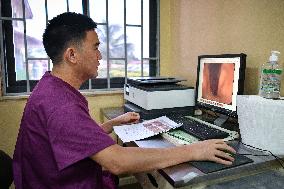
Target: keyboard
x=200, y=130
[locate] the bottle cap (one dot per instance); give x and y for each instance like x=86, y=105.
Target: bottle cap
x=274, y=56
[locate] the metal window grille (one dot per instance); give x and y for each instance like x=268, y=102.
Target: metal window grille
x=12, y=86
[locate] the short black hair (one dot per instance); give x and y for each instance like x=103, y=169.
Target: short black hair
x=63, y=30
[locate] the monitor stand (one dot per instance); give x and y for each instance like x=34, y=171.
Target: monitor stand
x=220, y=120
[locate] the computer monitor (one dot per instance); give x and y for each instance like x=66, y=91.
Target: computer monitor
x=220, y=78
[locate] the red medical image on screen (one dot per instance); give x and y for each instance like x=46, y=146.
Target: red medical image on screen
x=218, y=79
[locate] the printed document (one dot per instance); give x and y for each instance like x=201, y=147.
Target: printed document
x=145, y=129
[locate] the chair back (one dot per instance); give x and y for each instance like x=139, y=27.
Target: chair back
x=6, y=170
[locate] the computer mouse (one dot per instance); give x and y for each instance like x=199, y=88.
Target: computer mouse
x=233, y=155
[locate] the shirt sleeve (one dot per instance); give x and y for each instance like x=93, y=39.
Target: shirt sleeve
x=74, y=135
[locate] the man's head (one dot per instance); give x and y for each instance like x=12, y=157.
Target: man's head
x=70, y=38
x=63, y=30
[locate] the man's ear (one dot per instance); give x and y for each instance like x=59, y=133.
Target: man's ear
x=70, y=55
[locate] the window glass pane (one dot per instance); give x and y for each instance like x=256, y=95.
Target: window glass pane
x=37, y=68
x=116, y=12
x=98, y=10
x=116, y=31
x=117, y=82
x=99, y=83
x=75, y=6
x=17, y=9
x=133, y=42
x=133, y=12
x=146, y=68
x=101, y=31
x=116, y=41
x=145, y=28
x=60, y=5
x=102, y=71
x=19, y=50
x=117, y=68
x=134, y=68
x=34, y=34
x=133, y=51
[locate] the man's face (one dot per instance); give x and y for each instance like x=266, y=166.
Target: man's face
x=90, y=55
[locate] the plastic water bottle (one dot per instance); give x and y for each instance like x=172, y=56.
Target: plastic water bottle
x=270, y=80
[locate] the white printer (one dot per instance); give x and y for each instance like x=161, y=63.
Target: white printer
x=157, y=96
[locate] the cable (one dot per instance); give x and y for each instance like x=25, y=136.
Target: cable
x=254, y=154
x=278, y=159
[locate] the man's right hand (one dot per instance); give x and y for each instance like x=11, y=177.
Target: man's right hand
x=212, y=150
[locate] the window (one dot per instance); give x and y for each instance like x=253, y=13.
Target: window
x=128, y=31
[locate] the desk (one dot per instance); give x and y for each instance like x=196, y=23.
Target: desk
x=264, y=172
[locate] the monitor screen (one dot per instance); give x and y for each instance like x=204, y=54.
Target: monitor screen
x=220, y=78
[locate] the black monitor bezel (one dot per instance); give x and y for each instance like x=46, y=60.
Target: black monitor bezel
x=241, y=82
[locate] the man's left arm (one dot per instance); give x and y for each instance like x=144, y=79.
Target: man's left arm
x=127, y=118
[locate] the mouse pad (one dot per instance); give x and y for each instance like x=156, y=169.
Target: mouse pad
x=209, y=166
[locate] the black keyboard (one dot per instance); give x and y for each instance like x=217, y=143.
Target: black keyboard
x=200, y=130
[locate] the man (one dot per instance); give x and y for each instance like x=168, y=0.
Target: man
x=60, y=145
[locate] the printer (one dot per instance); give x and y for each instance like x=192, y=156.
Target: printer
x=157, y=96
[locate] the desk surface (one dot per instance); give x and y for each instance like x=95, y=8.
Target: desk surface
x=185, y=174
x=254, y=175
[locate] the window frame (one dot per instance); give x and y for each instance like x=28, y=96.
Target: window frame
x=109, y=83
